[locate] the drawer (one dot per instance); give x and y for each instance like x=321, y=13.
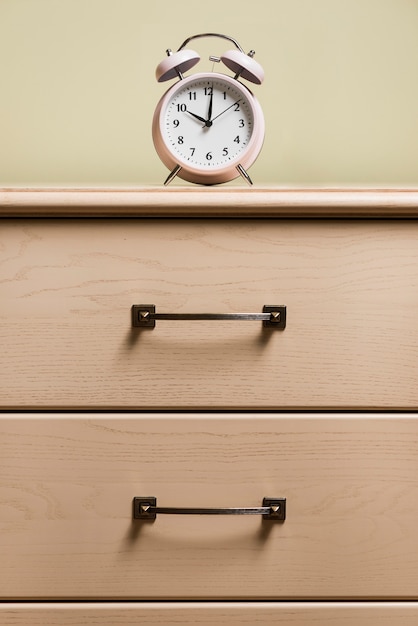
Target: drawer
x=67, y=484
x=211, y=614
x=67, y=288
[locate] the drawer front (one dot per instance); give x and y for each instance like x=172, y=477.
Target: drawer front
x=350, y=288
x=68, y=483
x=213, y=614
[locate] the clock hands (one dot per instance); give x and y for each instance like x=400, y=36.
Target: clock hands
x=208, y=123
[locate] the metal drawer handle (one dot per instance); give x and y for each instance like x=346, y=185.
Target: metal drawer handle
x=145, y=316
x=273, y=509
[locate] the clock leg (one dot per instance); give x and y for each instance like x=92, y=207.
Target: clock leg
x=172, y=175
x=244, y=174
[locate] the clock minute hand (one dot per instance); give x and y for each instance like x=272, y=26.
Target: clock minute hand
x=210, y=105
x=225, y=110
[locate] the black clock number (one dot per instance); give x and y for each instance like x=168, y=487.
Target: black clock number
x=180, y=139
x=241, y=124
x=225, y=152
x=237, y=106
x=209, y=156
x=208, y=91
x=192, y=150
x=176, y=123
x=182, y=108
x=237, y=139
x=192, y=95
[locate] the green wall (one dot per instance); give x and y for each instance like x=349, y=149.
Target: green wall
x=77, y=87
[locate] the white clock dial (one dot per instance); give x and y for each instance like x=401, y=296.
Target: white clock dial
x=208, y=123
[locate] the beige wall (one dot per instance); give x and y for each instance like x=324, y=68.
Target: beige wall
x=77, y=87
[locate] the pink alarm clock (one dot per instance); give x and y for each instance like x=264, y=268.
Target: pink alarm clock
x=208, y=128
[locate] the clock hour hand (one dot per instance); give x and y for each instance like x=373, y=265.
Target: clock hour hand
x=201, y=119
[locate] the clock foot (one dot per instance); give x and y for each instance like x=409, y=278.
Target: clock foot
x=172, y=175
x=244, y=174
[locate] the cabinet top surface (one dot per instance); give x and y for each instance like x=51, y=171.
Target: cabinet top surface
x=209, y=202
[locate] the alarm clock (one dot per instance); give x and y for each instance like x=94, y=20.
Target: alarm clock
x=208, y=128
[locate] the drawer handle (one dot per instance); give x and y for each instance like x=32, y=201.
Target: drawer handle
x=145, y=316
x=273, y=509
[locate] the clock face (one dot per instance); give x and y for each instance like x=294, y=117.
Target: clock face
x=207, y=122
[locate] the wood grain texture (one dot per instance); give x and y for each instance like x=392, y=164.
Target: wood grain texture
x=67, y=287
x=67, y=483
x=213, y=614
x=210, y=202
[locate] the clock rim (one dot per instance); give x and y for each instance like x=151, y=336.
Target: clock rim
x=219, y=174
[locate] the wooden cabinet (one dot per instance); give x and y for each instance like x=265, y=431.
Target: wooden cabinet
x=213, y=613
x=209, y=414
